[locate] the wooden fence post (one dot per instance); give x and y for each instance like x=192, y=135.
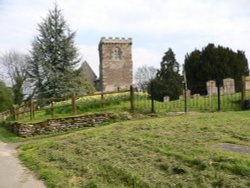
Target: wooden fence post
x=14, y=115
x=243, y=92
x=32, y=111
x=132, y=99
x=52, y=108
x=152, y=97
x=74, y=111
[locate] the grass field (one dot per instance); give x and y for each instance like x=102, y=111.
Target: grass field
x=173, y=151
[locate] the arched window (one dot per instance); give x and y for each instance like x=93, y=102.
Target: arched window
x=117, y=53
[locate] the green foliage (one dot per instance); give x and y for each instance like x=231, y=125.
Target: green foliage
x=54, y=57
x=214, y=63
x=171, y=151
x=168, y=81
x=15, y=65
x=6, y=99
x=82, y=85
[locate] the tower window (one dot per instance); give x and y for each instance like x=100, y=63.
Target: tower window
x=117, y=53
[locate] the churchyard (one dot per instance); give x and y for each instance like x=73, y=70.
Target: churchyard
x=174, y=149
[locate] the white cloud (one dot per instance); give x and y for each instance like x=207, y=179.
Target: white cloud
x=180, y=24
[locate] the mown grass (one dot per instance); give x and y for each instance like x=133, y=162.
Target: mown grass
x=172, y=151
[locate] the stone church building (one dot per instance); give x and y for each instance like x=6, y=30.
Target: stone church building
x=116, y=66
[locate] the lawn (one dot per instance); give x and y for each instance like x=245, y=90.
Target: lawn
x=171, y=151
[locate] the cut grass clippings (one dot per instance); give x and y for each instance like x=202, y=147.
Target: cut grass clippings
x=159, y=152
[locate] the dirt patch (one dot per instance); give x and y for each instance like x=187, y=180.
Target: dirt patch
x=233, y=148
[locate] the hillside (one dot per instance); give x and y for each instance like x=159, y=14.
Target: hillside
x=173, y=151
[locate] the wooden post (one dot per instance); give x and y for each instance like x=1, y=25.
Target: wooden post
x=52, y=108
x=102, y=99
x=74, y=103
x=152, y=98
x=132, y=99
x=32, y=113
x=14, y=112
x=243, y=92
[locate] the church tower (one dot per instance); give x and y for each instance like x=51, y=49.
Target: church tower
x=116, y=66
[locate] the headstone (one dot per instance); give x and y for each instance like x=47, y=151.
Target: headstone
x=196, y=96
x=247, y=82
x=188, y=93
x=211, y=88
x=228, y=86
x=166, y=99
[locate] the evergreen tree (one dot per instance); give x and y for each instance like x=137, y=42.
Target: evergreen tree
x=214, y=63
x=168, y=81
x=5, y=97
x=53, y=58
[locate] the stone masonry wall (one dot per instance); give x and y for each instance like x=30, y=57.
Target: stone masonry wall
x=62, y=124
x=115, y=74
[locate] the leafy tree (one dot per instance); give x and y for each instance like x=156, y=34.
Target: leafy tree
x=5, y=97
x=144, y=75
x=80, y=79
x=53, y=58
x=14, y=65
x=214, y=63
x=168, y=81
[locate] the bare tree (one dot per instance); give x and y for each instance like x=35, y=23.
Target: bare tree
x=13, y=66
x=144, y=75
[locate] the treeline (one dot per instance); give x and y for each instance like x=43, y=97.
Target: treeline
x=214, y=63
x=210, y=63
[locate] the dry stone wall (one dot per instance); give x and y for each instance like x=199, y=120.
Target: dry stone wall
x=63, y=124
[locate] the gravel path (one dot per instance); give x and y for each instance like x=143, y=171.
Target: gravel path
x=12, y=173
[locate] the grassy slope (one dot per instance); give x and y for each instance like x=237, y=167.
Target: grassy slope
x=158, y=152
x=120, y=102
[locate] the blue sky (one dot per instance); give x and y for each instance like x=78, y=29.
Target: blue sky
x=154, y=26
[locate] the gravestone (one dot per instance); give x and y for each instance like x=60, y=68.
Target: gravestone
x=166, y=99
x=228, y=86
x=247, y=83
x=188, y=93
x=211, y=88
x=196, y=96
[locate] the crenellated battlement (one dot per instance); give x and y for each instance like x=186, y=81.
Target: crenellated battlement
x=115, y=40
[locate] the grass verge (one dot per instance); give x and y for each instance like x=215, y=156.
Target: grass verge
x=158, y=152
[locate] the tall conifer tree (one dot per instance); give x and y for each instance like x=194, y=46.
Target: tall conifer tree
x=168, y=81
x=53, y=57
